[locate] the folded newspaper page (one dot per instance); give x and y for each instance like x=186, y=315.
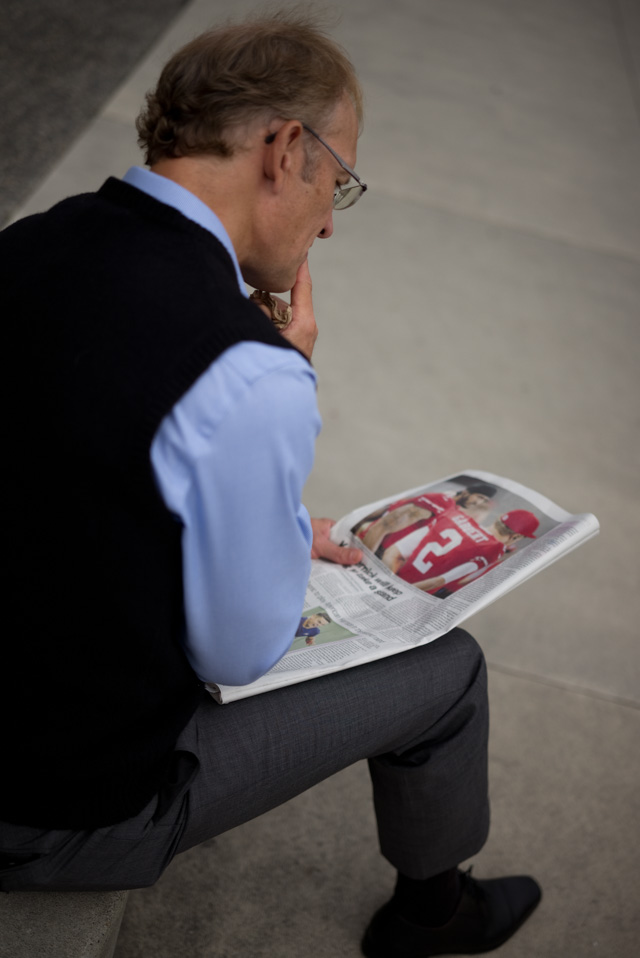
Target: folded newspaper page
x=433, y=556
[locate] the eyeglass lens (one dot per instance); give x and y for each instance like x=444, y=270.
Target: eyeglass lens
x=346, y=196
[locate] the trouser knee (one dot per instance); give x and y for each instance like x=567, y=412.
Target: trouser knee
x=468, y=658
x=455, y=663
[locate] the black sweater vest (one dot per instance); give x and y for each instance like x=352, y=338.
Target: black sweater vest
x=118, y=303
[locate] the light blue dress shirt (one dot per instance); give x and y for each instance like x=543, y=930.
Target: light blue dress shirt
x=230, y=460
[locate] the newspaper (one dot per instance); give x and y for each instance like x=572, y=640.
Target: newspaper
x=433, y=556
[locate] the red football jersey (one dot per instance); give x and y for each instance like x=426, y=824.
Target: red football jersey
x=450, y=541
x=435, y=502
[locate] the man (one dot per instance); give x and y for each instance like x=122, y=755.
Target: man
x=455, y=549
x=162, y=436
x=310, y=626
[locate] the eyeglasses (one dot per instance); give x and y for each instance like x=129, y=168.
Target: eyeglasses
x=343, y=196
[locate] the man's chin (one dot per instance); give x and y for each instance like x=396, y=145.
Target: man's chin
x=269, y=283
x=273, y=281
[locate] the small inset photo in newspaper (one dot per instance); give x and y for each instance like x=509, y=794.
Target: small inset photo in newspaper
x=449, y=534
x=317, y=628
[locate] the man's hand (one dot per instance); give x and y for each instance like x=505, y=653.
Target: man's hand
x=393, y=559
x=302, y=331
x=324, y=548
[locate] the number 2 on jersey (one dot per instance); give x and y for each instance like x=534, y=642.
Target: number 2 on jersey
x=434, y=548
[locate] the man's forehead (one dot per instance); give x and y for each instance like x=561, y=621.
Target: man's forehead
x=343, y=127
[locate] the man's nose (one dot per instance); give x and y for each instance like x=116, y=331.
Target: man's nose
x=327, y=229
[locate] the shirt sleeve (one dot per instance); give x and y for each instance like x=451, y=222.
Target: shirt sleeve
x=231, y=460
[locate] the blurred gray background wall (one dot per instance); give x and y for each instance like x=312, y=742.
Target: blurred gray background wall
x=59, y=62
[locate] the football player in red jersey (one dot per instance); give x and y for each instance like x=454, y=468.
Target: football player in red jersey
x=454, y=549
x=388, y=525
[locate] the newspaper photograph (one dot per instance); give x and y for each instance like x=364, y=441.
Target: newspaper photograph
x=433, y=556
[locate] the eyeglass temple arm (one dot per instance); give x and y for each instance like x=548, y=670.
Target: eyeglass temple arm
x=345, y=166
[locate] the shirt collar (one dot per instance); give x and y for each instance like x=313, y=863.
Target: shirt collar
x=181, y=199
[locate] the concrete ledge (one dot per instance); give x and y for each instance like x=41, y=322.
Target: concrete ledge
x=60, y=924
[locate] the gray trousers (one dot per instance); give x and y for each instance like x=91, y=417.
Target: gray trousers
x=419, y=717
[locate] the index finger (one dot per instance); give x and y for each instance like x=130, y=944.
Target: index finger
x=302, y=288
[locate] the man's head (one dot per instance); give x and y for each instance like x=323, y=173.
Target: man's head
x=317, y=620
x=226, y=80
x=476, y=498
x=514, y=525
x=259, y=120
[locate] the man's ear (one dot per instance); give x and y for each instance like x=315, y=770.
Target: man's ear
x=281, y=153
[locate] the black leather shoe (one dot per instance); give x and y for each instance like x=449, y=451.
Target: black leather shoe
x=488, y=913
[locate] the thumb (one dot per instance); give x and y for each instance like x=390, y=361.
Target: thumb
x=342, y=555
